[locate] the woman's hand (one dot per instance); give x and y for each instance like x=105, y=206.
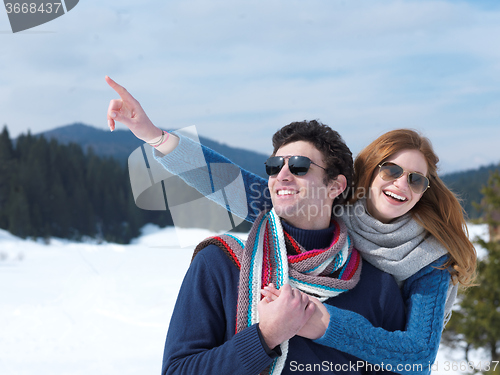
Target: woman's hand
x=316, y=325
x=129, y=112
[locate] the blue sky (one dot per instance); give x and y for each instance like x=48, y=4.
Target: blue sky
x=239, y=70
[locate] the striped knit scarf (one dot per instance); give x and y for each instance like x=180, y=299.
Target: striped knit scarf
x=271, y=255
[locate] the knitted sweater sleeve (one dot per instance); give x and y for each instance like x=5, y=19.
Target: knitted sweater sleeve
x=412, y=351
x=201, y=338
x=241, y=192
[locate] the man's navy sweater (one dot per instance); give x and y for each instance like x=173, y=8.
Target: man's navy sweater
x=201, y=337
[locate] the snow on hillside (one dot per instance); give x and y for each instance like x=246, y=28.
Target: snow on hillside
x=88, y=308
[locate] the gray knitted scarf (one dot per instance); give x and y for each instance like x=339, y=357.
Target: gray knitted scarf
x=401, y=248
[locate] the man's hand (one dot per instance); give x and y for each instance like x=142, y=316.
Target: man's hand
x=129, y=112
x=281, y=319
x=317, y=324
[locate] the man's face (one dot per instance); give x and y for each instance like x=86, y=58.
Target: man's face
x=303, y=201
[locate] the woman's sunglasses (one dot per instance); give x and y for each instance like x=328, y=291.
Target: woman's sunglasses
x=298, y=165
x=389, y=172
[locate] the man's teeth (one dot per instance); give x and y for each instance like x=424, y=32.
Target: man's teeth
x=391, y=194
x=286, y=192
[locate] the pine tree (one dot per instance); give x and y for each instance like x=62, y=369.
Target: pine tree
x=477, y=322
x=19, y=213
x=7, y=168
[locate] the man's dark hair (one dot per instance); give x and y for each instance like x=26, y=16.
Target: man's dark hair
x=336, y=155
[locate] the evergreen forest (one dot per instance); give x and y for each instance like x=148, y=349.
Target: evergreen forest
x=48, y=189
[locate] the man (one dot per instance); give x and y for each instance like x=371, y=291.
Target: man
x=214, y=326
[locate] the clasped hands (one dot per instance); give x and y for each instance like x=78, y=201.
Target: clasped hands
x=288, y=312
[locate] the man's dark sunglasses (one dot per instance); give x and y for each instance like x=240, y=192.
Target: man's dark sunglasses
x=391, y=171
x=298, y=165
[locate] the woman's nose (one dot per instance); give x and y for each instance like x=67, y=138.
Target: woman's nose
x=402, y=182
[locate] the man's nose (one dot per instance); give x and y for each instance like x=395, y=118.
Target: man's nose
x=285, y=173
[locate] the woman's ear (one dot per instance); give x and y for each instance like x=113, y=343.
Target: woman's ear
x=337, y=186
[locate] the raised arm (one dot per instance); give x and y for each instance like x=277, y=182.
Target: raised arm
x=181, y=156
x=184, y=161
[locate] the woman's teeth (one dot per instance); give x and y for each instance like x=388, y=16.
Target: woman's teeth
x=395, y=196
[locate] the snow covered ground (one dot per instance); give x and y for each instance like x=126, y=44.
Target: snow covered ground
x=87, y=308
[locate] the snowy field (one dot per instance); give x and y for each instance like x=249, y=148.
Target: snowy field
x=86, y=308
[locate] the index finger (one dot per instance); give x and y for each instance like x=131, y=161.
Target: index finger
x=120, y=90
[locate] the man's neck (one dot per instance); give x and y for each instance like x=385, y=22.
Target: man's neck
x=308, y=223
x=311, y=239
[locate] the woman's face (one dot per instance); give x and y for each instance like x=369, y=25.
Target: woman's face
x=388, y=200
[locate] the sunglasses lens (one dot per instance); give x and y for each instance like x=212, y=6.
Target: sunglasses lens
x=418, y=183
x=390, y=171
x=299, y=165
x=274, y=165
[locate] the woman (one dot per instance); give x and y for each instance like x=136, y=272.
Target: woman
x=401, y=217
x=401, y=220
